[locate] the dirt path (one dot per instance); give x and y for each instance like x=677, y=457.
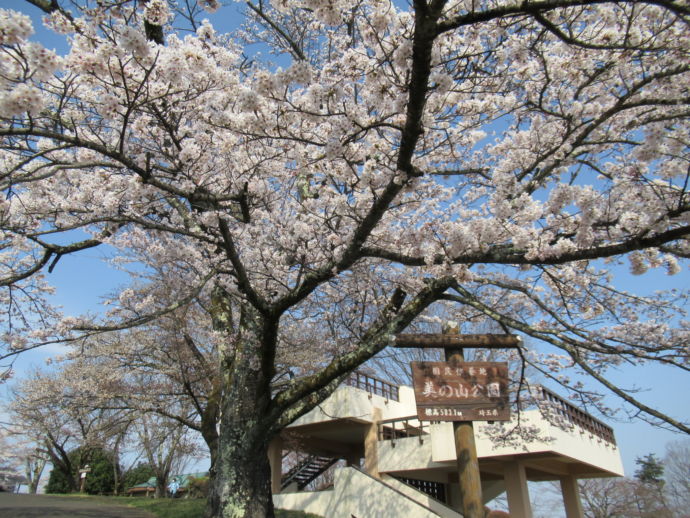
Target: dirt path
x=46, y=506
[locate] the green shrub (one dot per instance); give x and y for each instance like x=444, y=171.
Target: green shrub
x=100, y=480
x=198, y=487
x=59, y=482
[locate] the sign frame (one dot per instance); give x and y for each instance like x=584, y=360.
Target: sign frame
x=461, y=391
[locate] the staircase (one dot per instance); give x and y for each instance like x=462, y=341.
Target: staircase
x=307, y=470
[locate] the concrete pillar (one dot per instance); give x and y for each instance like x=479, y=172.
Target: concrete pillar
x=371, y=454
x=275, y=459
x=516, y=487
x=571, y=497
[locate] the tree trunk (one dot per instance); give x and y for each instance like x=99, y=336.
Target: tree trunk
x=116, y=466
x=241, y=487
x=241, y=482
x=34, y=470
x=209, y=431
x=160, y=488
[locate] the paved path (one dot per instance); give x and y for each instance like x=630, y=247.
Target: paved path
x=46, y=506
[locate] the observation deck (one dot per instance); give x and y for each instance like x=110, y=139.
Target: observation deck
x=371, y=426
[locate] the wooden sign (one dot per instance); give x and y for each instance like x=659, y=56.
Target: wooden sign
x=461, y=391
x=444, y=340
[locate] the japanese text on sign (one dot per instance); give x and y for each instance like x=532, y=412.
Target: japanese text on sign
x=461, y=391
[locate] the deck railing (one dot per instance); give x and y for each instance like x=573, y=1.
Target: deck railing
x=573, y=415
x=401, y=428
x=398, y=428
x=373, y=385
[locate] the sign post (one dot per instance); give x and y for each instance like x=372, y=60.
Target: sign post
x=82, y=475
x=462, y=392
x=465, y=448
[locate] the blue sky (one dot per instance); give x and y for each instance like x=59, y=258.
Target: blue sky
x=82, y=279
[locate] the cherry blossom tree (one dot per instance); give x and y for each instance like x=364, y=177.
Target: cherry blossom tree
x=58, y=415
x=10, y=461
x=20, y=454
x=500, y=156
x=168, y=446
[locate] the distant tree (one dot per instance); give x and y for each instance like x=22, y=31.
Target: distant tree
x=99, y=480
x=20, y=454
x=10, y=462
x=651, y=469
x=677, y=471
x=604, y=497
x=168, y=447
x=624, y=498
x=79, y=418
x=35, y=460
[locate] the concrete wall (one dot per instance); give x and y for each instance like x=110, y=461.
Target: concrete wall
x=315, y=502
x=575, y=443
x=359, y=495
x=351, y=402
x=409, y=454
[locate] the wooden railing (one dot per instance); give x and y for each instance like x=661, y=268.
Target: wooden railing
x=373, y=385
x=402, y=427
x=575, y=416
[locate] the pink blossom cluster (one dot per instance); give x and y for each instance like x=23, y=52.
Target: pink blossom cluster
x=14, y=27
x=22, y=99
x=157, y=12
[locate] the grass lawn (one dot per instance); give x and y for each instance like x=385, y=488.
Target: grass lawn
x=175, y=508
x=191, y=508
x=167, y=507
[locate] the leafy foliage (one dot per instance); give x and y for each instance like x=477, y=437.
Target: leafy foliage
x=198, y=487
x=59, y=482
x=100, y=480
x=651, y=469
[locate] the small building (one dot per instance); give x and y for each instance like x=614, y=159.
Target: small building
x=148, y=488
x=395, y=465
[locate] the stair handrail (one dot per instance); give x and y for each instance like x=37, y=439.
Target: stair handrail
x=396, y=490
x=294, y=472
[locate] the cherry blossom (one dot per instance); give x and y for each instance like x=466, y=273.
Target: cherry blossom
x=500, y=158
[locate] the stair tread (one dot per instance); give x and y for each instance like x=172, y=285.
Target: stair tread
x=307, y=470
